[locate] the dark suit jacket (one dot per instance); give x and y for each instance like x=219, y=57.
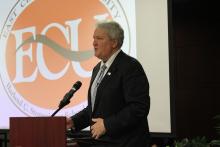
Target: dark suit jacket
x=123, y=101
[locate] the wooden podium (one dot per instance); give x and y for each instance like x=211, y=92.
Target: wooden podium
x=38, y=132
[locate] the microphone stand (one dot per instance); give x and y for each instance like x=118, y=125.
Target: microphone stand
x=56, y=111
x=62, y=104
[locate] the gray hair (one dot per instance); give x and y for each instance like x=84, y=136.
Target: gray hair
x=114, y=31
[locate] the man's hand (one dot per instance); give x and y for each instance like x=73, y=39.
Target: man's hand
x=98, y=128
x=69, y=123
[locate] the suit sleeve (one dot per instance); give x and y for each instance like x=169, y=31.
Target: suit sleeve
x=137, y=101
x=81, y=120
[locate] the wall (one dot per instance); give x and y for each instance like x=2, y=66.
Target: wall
x=197, y=67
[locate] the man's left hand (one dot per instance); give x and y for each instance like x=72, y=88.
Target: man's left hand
x=98, y=128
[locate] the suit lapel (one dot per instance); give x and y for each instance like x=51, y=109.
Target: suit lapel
x=94, y=74
x=108, y=76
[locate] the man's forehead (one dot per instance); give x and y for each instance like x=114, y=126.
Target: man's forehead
x=100, y=31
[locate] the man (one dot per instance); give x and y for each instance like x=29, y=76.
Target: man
x=118, y=96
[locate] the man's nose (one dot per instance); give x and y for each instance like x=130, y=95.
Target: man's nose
x=94, y=43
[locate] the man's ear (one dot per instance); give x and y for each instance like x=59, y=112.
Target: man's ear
x=114, y=43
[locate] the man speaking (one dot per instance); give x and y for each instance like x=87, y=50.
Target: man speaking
x=118, y=96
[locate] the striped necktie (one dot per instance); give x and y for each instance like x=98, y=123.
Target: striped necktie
x=97, y=82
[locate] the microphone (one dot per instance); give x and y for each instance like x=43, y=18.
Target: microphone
x=68, y=95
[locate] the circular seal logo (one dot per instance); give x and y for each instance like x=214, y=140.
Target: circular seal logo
x=46, y=46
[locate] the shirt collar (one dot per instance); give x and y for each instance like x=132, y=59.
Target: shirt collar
x=111, y=59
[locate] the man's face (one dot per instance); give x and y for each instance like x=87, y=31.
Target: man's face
x=103, y=45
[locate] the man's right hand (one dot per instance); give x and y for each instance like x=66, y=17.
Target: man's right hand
x=69, y=123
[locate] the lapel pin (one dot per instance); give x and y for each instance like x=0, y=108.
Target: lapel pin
x=109, y=73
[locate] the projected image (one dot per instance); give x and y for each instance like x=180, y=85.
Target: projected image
x=43, y=56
